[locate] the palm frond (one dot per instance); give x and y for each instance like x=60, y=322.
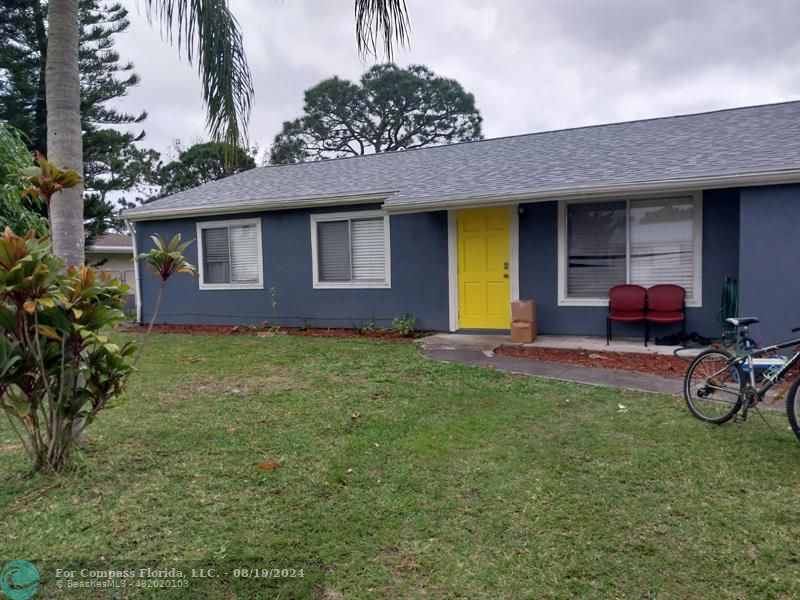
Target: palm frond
x=210, y=35
x=383, y=21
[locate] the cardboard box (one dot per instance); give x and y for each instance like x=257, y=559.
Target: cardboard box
x=522, y=333
x=523, y=311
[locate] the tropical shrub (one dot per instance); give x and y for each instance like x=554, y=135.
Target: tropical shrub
x=58, y=369
x=166, y=259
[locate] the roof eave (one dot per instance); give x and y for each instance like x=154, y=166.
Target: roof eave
x=110, y=249
x=675, y=185
x=255, y=206
x=679, y=185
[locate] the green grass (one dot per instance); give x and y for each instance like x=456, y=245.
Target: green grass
x=454, y=482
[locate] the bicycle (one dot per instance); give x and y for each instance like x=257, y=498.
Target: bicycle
x=718, y=384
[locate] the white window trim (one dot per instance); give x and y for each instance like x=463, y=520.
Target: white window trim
x=697, y=283
x=259, y=285
x=346, y=216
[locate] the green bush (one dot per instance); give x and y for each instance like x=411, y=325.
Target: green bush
x=58, y=367
x=57, y=370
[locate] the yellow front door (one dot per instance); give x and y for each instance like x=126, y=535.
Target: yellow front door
x=484, y=293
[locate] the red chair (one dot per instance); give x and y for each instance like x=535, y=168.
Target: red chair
x=626, y=304
x=666, y=304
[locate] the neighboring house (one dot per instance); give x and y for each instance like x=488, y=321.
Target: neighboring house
x=113, y=252
x=452, y=234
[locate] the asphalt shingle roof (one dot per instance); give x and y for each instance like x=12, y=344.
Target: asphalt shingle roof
x=115, y=240
x=750, y=140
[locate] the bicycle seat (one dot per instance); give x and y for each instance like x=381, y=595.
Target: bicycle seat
x=742, y=321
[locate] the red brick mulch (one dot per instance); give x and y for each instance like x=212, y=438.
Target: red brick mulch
x=653, y=364
x=296, y=331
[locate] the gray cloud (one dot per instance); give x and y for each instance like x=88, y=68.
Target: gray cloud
x=531, y=65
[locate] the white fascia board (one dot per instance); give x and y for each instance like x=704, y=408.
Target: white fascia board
x=255, y=206
x=110, y=250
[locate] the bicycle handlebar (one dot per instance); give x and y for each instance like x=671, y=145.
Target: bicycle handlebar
x=796, y=329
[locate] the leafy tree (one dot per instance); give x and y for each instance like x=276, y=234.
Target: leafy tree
x=22, y=66
x=200, y=164
x=389, y=109
x=103, y=78
x=212, y=41
x=15, y=212
x=126, y=168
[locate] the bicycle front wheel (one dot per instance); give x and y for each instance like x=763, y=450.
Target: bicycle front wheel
x=713, y=386
x=793, y=406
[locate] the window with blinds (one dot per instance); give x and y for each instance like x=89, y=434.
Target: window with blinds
x=645, y=242
x=351, y=251
x=230, y=254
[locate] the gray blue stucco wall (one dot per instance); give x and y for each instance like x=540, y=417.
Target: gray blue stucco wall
x=769, y=260
x=765, y=259
x=538, y=271
x=419, y=277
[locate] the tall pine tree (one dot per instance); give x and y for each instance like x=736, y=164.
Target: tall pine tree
x=108, y=149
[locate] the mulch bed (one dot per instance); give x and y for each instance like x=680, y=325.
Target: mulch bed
x=662, y=365
x=382, y=334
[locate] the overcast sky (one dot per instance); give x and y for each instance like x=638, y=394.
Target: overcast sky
x=531, y=65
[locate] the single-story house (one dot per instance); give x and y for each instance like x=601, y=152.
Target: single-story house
x=452, y=234
x=113, y=252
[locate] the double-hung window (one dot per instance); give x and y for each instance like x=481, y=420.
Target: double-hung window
x=350, y=250
x=230, y=254
x=644, y=242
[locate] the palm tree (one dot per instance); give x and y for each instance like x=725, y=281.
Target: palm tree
x=209, y=34
x=64, y=142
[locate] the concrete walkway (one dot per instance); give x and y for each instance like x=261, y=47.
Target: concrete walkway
x=478, y=350
x=640, y=382
x=566, y=342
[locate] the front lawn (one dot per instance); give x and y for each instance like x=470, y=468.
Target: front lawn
x=401, y=477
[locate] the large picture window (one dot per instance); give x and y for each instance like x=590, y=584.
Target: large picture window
x=350, y=250
x=230, y=254
x=645, y=242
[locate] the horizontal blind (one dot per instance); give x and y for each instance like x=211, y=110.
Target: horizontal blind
x=368, y=249
x=662, y=242
x=244, y=253
x=333, y=250
x=596, y=247
x=215, y=255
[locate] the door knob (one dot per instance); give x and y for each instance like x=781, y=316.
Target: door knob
x=505, y=275
x=505, y=265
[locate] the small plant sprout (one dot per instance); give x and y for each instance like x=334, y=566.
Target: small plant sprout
x=365, y=326
x=273, y=300
x=405, y=325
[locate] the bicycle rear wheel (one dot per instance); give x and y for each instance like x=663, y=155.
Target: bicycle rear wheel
x=793, y=406
x=713, y=386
